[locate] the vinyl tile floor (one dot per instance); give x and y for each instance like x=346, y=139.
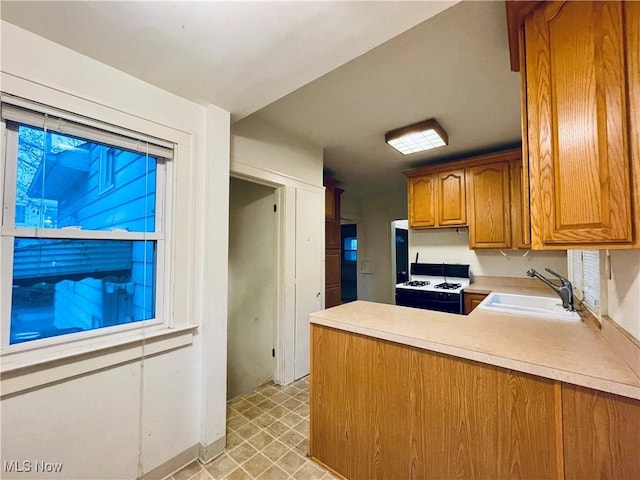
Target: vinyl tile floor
x=267, y=438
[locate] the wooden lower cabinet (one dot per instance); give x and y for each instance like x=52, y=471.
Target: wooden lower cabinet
x=381, y=410
x=601, y=434
x=472, y=300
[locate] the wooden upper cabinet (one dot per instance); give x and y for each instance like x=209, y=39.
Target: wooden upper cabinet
x=437, y=199
x=452, y=204
x=520, y=216
x=489, y=203
x=333, y=251
x=582, y=77
x=331, y=200
x=483, y=192
x=422, y=207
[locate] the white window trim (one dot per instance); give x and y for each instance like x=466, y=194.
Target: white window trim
x=23, y=372
x=602, y=295
x=30, y=366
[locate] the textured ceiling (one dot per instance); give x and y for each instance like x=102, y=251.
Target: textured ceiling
x=237, y=55
x=339, y=74
x=454, y=67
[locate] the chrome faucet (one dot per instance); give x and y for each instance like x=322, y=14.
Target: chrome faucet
x=564, y=291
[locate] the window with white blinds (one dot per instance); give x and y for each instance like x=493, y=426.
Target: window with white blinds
x=586, y=278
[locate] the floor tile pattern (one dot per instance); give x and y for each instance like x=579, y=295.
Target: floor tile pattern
x=267, y=439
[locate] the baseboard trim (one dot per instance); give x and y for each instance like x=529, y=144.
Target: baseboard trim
x=172, y=466
x=213, y=450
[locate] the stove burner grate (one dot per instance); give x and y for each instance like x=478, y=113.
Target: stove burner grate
x=448, y=286
x=417, y=283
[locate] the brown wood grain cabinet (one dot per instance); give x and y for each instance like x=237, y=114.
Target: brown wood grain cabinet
x=451, y=198
x=437, y=200
x=383, y=410
x=580, y=63
x=488, y=194
x=483, y=193
x=422, y=201
x=472, y=300
x=601, y=434
x=333, y=250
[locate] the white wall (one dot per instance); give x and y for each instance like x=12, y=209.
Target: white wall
x=127, y=420
x=260, y=144
x=377, y=211
x=449, y=246
x=624, y=290
x=253, y=272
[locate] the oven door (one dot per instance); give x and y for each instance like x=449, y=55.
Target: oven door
x=439, y=301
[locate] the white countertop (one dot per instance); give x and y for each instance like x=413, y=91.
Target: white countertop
x=572, y=352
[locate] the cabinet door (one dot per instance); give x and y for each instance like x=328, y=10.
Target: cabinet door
x=422, y=202
x=471, y=301
x=385, y=410
x=579, y=159
x=632, y=39
x=489, y=206
x=452, y=198
x=329, y=204
x=601, y=434
x=520, y=227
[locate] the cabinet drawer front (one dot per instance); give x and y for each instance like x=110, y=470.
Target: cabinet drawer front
x=578, y=149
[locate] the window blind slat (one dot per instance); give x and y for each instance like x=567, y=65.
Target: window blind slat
x=40, y=116
x=591, y=279
x=577, y=269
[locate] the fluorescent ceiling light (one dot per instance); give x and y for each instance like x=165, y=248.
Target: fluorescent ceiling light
x=417, y=137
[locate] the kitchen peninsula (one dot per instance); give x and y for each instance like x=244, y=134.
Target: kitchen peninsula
x=399, y=392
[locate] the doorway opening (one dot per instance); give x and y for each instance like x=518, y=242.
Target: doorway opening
x=399, y=251
x=253, y=277
x=348, y=263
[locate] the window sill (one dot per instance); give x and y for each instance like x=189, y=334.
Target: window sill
x=25, y=372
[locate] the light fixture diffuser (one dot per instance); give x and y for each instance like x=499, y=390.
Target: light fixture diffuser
x=418, y=137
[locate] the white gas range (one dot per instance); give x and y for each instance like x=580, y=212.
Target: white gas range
x=434, y=286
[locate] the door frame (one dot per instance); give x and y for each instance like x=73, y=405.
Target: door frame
x=285, y=308
x=395, y=224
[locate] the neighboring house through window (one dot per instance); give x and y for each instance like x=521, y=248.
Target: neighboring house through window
x=106, y=171
x=88, y=252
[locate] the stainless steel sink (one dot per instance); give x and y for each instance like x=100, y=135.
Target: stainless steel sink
x=530, y=305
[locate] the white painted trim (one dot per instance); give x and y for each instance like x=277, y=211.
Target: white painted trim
x=25, y=375
x=89, y=107
x=286, y=187
x=207, y=453
x=173, y=465
x=269, y=177
x=287, y=321
x=281, y=287
x=393, y=259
